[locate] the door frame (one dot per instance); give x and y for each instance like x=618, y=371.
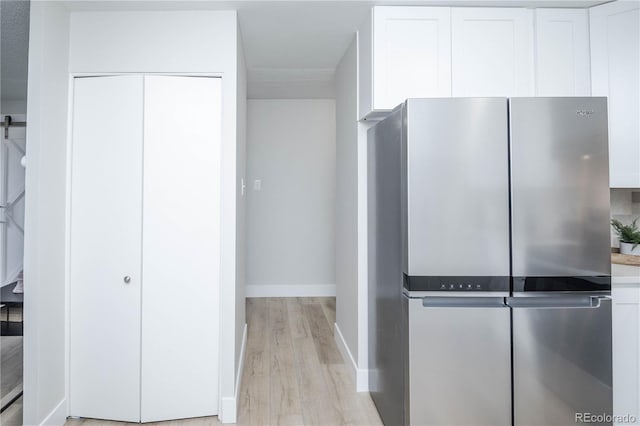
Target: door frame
x=67, y=238
x=5, y=149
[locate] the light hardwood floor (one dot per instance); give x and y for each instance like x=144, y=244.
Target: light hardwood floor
x=293, y=371
x=12, y=416
x=10, y=367
x=11, y=379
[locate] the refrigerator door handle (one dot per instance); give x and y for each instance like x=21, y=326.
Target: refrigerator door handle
x=595, y=300
x=463, y=302
x=577, y=301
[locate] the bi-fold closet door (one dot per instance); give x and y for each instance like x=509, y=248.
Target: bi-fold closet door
x=144, y=247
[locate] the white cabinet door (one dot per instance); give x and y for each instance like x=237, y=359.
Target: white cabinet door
x=626, y=351
x=615, y=72
x=181, y=247
x=106, y=224
x=562, y=52
x=405, y=52
x=411, y=54
x=492, y=52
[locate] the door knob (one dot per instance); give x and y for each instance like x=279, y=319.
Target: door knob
x=127, y=279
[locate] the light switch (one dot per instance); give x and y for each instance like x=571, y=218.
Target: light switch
x=257, y=185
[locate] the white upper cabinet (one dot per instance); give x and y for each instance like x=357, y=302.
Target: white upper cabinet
x=404, y=52
x=410, y=52
x=562, y=52
x=492, y=52
x=615, y=72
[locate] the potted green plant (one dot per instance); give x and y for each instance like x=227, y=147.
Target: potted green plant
x=629, y=236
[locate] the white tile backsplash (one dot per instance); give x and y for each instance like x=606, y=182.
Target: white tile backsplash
x=625, y=206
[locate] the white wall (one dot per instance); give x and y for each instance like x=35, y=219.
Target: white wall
x=347, y=203
x=241, y=207
x=363, y=258
x=153, y=41
x=351, y=215
x=14, y=33
x=44, y=262
x=290, y=221
x=115, y=42
x=13, y=107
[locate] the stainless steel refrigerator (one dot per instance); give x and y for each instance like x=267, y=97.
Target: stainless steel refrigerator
x=489, y=264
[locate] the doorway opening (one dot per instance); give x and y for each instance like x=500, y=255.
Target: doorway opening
x=14, y=46
x=12, y=204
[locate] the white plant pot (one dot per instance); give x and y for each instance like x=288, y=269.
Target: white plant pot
x=627, y=248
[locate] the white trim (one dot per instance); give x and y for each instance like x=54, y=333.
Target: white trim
x=243, y=349
x=345, y=352
x=229, y=406
x=67, y=241
x=291, y=290
x=58, y=416
x=362, y=381
x=359, y=376
x=213, y=74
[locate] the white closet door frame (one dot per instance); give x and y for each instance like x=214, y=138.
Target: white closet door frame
x=12, y=179
x=72, y=78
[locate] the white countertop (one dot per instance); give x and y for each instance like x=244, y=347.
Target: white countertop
x=625, y=275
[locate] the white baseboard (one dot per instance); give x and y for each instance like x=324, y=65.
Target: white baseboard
x=362, y=381
x=360, y=376
x=289, y=290
x=345, y=352
x=57, y=416
x=227, y=409
x=229, y=406
x=243, y=351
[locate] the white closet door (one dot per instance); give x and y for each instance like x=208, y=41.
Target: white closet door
x=106, y=226
x=181, y=246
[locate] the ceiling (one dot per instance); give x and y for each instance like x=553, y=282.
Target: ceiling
x=291, y=47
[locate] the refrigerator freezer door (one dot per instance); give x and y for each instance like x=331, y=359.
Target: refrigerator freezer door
x=560, y=187
x=457, y=187
x=561, y=360
x=459, y=362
